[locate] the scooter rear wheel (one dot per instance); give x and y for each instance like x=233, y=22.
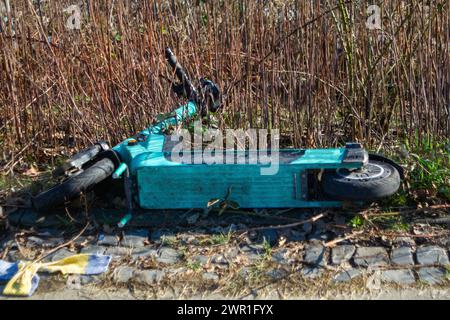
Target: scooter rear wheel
x=74, y=185
x=374, y=181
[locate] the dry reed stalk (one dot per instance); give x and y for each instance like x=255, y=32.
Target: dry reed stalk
x=332, y=81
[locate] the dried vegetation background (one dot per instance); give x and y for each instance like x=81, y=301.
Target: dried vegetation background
x=310, y=68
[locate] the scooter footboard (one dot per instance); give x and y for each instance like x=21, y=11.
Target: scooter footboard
x=193, y=186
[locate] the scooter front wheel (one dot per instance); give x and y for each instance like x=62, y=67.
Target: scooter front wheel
x=74, y=185
x=376, y=180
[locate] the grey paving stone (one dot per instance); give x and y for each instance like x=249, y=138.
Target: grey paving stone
x=107, y=240
x=276, y=274
x=311, y=272
x=201, y=259
x=401, y=277
x=45, y=243
x=135, y=238
x=148, y=277
x=320, y=226
x=253, y=253
x=252, y=248
x=160, y=234
x=428, y=255
x=341, y=254
x=252, y=257
x=281, y=257
x=93, y=249
x=371, y=257
x=123, y=274
x=61, y=254
x=219, y=259
x=210, y=276
x=314, y=254
x=144, y=252
x=50, y=233
x=307, y=227
x=118, y=251
x=35, y=241
x=432, y=275
x=168, y=255
x=404, y=242
x=347, y=275
x=319, y=236
x=296, y=236
x=402, y=256
x=53, y=242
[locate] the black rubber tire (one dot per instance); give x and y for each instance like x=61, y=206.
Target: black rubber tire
x=77, y=160
x=342, y=184
x=73, y=186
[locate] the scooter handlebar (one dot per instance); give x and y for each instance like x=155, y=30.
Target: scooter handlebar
x=181, y=74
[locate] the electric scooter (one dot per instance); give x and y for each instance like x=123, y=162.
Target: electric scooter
x=154, y=178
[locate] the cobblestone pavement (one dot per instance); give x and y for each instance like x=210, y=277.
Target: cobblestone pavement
x=207, y=260
x=89, y=292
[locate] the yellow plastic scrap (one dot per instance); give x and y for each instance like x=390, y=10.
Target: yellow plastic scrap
x=25, y=281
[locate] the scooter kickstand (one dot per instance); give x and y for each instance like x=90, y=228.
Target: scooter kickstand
x=123, y=169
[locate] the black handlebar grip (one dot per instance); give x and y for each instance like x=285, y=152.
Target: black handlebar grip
x=172, y=60
x=181, y=74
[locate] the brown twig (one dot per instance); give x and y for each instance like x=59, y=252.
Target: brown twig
x=426, y=236
x=256, y=214
x=290, y=225
x=332, y=243
x=5, y=253
x=19, y=246
x=46, y=254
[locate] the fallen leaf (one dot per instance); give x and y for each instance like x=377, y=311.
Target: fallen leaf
x=32, y=172
x=282, y=241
